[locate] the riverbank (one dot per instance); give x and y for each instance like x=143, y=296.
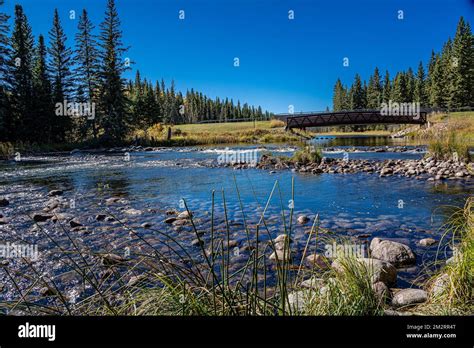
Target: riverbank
x=226, y=267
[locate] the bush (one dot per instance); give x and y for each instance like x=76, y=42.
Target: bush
x=444, y=147
x=308, y=155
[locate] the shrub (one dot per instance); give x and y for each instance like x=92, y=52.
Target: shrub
x=307, y=155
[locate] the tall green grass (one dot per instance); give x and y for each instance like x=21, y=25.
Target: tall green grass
x=451, y=288
x=443, y=147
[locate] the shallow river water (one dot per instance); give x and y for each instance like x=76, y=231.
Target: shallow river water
x=356, y=206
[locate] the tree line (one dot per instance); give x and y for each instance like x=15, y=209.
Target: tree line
x=38, y=79
x=154, y=102
x=447, y=82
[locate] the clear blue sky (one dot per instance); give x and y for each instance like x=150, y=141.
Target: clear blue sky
x=282, y=61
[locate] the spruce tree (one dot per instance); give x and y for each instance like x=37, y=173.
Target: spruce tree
x=20, y=79
x=419, y=93
x=87, y=67
x=4, y=54
x=338, y=96
x=387, y=88
x=113, y=102
x=59, y=66
x=42, y=96
x=410, y=85
x=461, y=66
x=357, y=94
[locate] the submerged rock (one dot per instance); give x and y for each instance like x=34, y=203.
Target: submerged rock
x=75, y=223
x=408, y=297
x=427, y=242
x=42, y=217
x=170, y=220
x=396, y=253
x=4, y=202
x=100, y=217
x=184, y=215
x=112, y=259
x=281, y=241
x=133, y=212
x=197, y=242
x=283, y=255
x=55, y=193
x=302, y=219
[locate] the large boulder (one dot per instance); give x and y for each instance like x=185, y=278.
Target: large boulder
x=397, y=254
x=379, y=271
x=409, y=297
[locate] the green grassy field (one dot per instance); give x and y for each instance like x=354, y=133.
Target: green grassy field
x=228, y=127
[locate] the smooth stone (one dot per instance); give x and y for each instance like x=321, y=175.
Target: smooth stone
x=146, y=225
x=396, y=253
x=408, y=297
x=133, y=212
x=184, y=215
x=427, y=242
x=302, y=219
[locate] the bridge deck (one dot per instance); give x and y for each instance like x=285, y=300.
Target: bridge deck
x=323, y=119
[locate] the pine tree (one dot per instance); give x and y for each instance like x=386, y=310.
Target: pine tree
x=374, y=91
x=338, y=96
x=461, y=66
x=357, y=94
x=410, y=84
x=60, y=63
x=42, y=96
x=387, y=88
x=437, y=94
x=420, y=90
x=87, y=66
x=113, y=102
x=20, y=78
x=4, y=54
x=399, y=91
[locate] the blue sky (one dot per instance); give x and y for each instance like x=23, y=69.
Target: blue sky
x=282, y=62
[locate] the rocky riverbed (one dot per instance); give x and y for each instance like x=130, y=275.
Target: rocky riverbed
x=425, y=169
